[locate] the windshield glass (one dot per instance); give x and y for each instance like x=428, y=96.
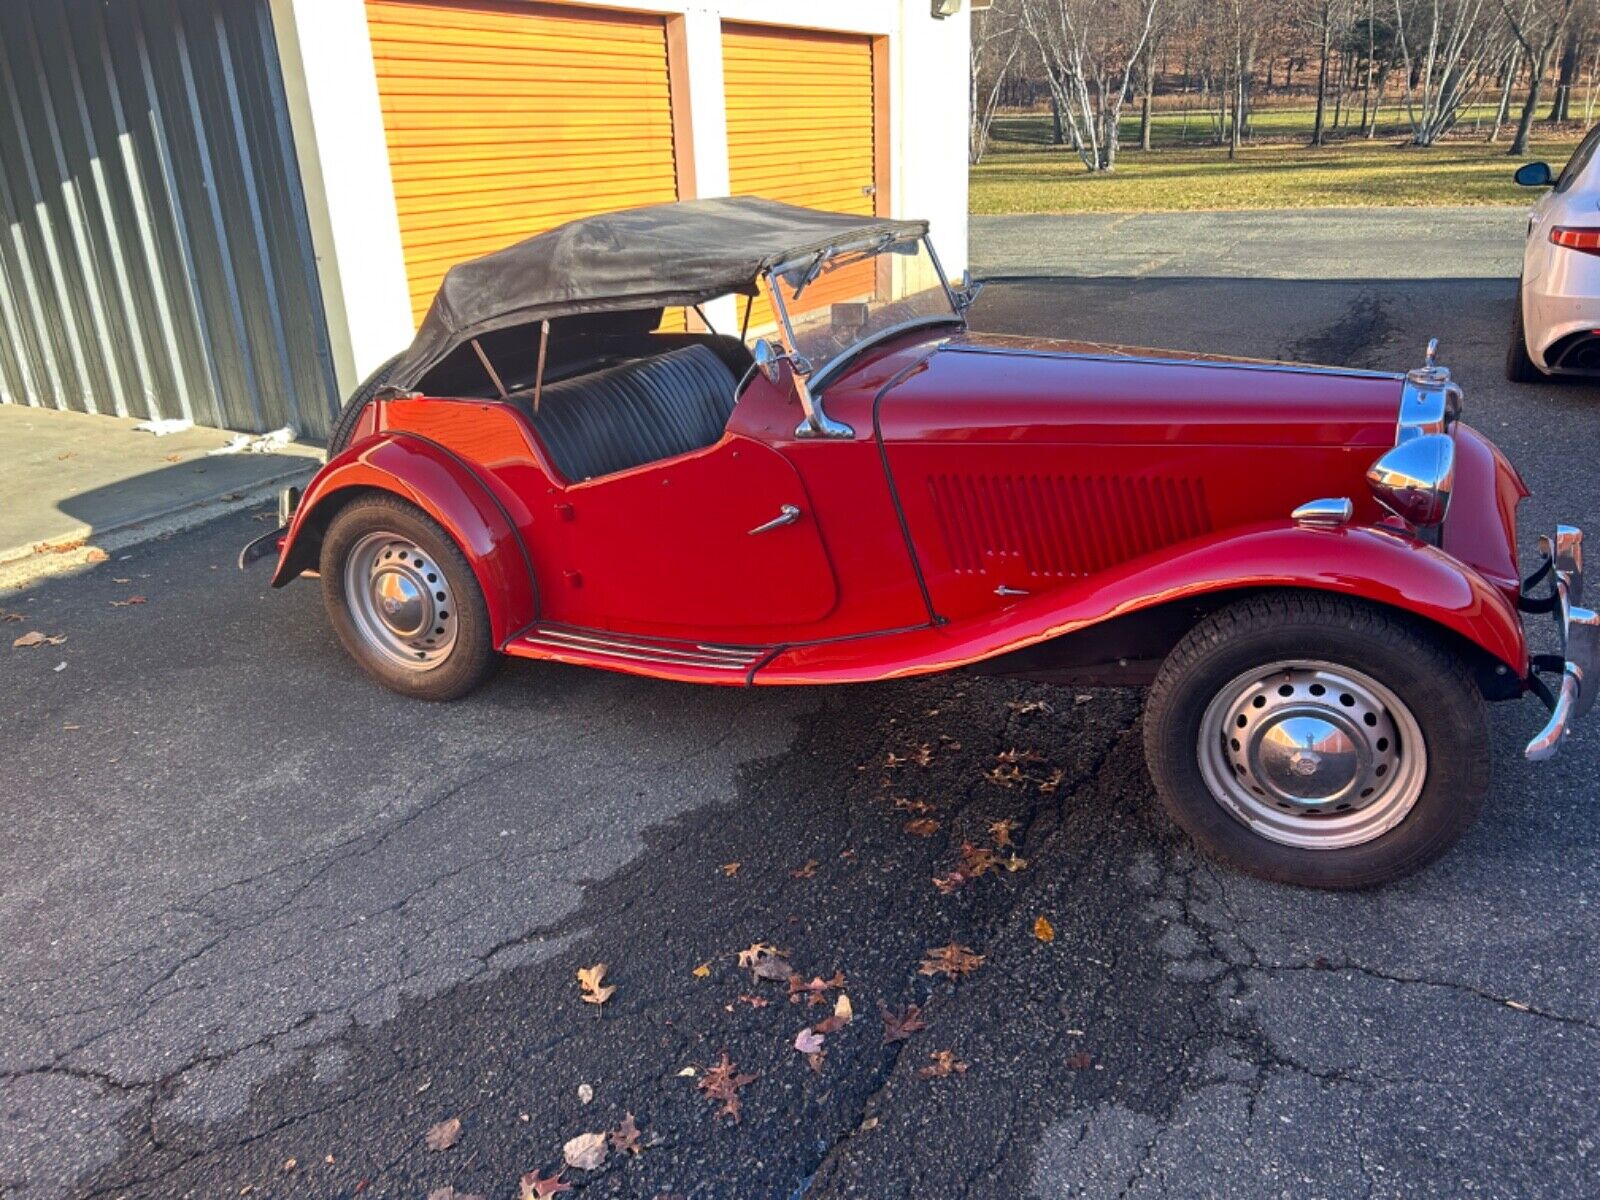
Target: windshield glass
x=834, y=301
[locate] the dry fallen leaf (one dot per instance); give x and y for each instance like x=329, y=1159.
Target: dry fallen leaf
x=897, y=1027
x=920, y=807
x=808, y=1041
x=922, y=826
x=10, y=618
x=1043, y=930
x=952, y=961
x=35, y=638
x=589, y=981
x=843, y=1011
x=1001, y=832
x=95, y=555
x=766, y=961
x=1079, y=1061
x=130, y=602
x=1023, y=707
x=585, y=1093
x=1053, y=781
x=1005, y=776
x=586, y=1152
x=443, y=1135
x=944, y=1063
x=808, y=871
x=290, y=1164
x=815, y=992
x=534, y=1186
x=754, y=1001
x=722, y=1083
x=731, y=869
x=703, y=970
x=625, y=1137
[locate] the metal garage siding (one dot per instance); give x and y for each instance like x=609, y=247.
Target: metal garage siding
x=507, y=119
x=802, y=128
x=155, y=256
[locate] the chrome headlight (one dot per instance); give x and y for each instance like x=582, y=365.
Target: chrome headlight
x=1413, y=480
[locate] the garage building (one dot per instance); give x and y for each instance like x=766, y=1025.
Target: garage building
x=233, y=210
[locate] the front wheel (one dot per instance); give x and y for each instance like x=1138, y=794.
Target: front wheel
x=404, y=600
x=1318, y=741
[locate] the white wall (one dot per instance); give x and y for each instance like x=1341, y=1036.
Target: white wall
x=338, y=126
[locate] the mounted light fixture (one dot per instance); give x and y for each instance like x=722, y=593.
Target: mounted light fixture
x=946, y=8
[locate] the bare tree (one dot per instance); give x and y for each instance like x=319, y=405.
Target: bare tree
x=1090, y=49
x=1539, y=26
x=996, y=43
x=1443, y=47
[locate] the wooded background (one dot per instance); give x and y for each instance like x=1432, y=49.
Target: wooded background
x=1364, y=66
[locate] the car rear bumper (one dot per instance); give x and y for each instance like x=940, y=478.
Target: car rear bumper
x=1579, y=660
x=1562, y=316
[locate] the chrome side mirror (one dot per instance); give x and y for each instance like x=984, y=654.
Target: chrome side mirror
x=817, y=424
x=768, y=359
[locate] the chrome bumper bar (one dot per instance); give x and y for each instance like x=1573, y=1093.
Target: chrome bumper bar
x=1580, y=640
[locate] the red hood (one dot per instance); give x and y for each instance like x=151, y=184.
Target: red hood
x=980, y=387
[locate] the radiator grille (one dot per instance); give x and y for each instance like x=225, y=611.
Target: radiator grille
x=1062, y=525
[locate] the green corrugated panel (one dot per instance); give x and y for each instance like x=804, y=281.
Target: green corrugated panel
x=155, y=256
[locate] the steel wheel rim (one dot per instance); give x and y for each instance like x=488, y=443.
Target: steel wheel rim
x=1311, y=754
x=401, y=602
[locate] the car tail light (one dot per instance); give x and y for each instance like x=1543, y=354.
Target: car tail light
x=1586, y=240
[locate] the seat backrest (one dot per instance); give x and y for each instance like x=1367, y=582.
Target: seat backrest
x=634, y=413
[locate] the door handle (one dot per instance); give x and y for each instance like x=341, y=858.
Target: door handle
x=787, y=515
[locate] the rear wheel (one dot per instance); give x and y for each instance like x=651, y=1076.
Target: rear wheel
x=1318, y=741
x=1520, y=366
x=404, y=600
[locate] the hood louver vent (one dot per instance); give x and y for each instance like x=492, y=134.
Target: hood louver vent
x=1063, y=525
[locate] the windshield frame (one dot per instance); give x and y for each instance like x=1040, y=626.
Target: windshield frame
x=820, y=376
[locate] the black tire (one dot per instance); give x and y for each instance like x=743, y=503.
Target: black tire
x=471, y=658
x=345, y=424
x=1520, y=366
x=1395, y=652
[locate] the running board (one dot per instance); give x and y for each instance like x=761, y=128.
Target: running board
x=663, y=658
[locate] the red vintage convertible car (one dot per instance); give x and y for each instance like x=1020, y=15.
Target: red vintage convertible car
x=1314, y=569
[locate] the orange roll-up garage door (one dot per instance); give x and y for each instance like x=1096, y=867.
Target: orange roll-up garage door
x=802, y=129
x=505, y=119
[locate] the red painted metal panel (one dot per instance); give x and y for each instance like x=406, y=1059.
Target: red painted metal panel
x=1373, y=564
x=448, y=491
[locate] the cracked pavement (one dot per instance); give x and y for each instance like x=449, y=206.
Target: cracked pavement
x=255, y=909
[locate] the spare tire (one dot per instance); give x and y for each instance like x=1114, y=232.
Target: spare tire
x=345, y=424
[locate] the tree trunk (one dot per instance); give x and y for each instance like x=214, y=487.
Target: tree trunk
x=1058, y=133
x=1148, y=99
x=1506, y=83
x=1519, y=144
x=1377, y=102
x=1572, y=50
x=1319, y=130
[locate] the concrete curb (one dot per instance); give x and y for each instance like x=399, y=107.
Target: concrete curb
x=22, y=566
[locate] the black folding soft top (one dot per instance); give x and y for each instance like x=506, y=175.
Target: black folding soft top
x=662, y=256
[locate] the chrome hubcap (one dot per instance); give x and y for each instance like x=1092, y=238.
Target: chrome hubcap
x=401, y=601
x=1312, y=755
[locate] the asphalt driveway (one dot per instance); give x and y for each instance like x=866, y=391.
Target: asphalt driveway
x=265, y=924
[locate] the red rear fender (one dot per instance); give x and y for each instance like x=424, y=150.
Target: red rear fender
x=439, y=483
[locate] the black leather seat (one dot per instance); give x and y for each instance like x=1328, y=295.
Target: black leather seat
x=635, y=413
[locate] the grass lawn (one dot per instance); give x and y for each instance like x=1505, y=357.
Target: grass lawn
x=1023, y=173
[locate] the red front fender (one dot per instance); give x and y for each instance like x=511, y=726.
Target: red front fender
x=437, y=482
x=1364, y=562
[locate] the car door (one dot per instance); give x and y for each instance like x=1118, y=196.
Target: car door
x=719, y=545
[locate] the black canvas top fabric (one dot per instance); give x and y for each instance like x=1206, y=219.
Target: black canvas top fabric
x=660, y=256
